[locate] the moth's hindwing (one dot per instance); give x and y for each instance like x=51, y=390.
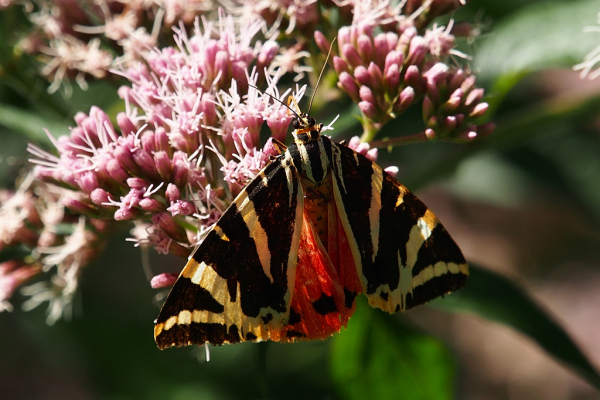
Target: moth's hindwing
x=237, y=286
x=405, y=257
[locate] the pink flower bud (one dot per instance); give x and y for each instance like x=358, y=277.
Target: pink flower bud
x=163, y=165
x=365, y=48
x=125, y=158
x=322, y=42
x=146, y=164
x=87, y=181
x=137, y=183
x=392, y=40
x=432, y=123
x=348, y=84
x=351, y=55
x=151, y=205
x=456, y=80
x=392, y=79
x=381, y=48
x=428, y=109
x=372, y=154
x=412, y=78
x=116, y=171
x=223, y=65
x=181, y=207
x=172, y=192
x=430, y=133
x=452, y=103
x=163, y=280
x=393, y=58
x=344, y=36
x=368, y=109
x=127, y=214
x=468, y=84
x=405, y=99
x=79, y=207
x=418, y=49
x=148, y=141
x=180, y=169
x=479, y=110
x=392, y=170
x=162, y=140
x=167, y=223
x=127, y=127
x=474, y=97
x=340, y=65
x=99, y=196
x=267, y=53
x=366, y=94
x=362, y=76
x=376, y=77
x=448, y=124
x=80, y=117
x=209, y=109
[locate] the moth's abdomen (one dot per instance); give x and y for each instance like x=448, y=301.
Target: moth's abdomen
x=316, y=204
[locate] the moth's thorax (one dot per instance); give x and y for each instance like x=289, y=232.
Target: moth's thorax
x=311, y=157
x=306, y=129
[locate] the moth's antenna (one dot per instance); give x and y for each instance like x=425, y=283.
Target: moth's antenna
x=320, y=75
x=273, y=97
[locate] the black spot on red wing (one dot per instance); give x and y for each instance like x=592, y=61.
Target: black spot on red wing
x=250, y=336
x=397, y=308
x=384, y=296
x=186, y=295
x=349, y=297
x=294, y=317
x=267, y=318
x=294, y=334
x=325, y=305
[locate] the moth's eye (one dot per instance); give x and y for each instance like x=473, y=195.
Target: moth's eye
x=297, y=124
x=311, y=121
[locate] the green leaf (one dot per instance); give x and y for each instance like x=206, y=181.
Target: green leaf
x=498, y=299
x=30, y=124
x=543, y=35
x=377, y=357
x=14, y=253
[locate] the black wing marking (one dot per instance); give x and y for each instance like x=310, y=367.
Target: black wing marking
x=403, y=254
x=238, y=284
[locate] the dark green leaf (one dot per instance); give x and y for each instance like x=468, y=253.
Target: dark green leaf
x=377, y=357
x=538, y=37
x=14, y=253
x=498, y=299
x=30, y=124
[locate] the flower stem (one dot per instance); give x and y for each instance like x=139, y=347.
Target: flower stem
x=400, y=141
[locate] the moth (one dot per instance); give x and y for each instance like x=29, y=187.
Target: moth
x=319, y=225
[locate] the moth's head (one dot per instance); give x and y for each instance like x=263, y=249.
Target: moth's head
x=306, y=128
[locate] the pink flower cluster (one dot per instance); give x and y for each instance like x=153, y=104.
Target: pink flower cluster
x=45, y=240
x=386, y=72
x=191, y=123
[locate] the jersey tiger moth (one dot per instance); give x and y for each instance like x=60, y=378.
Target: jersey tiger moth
x=317, y=226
